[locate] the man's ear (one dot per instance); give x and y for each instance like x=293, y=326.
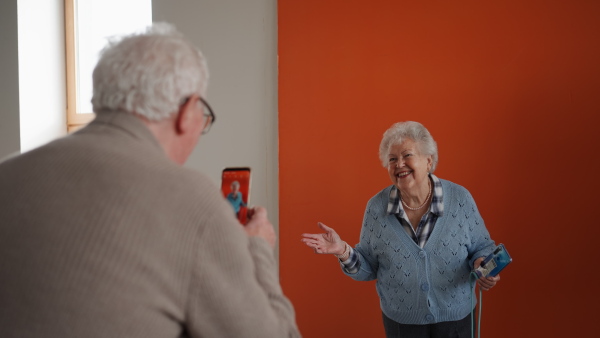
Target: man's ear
x=184, y=121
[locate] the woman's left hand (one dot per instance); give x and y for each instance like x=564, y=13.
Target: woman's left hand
x=485, y=283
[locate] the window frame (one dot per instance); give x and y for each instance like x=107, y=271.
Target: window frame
x=74, y=120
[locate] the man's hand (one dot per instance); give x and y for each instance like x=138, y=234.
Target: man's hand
x=259, y=226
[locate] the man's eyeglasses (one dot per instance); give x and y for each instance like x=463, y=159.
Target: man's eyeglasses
x=209, y=115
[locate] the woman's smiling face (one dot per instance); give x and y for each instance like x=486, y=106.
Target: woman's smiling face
x=407, y=167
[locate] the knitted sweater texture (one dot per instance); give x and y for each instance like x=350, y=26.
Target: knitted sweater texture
x=101, y=235
x=423, y=285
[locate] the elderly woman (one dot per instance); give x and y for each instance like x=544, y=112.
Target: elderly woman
x=420, y=238
x=235, y=197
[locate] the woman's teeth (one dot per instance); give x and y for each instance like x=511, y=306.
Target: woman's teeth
x=403, y=174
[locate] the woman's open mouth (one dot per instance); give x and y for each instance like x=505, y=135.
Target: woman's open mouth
x=403, y=174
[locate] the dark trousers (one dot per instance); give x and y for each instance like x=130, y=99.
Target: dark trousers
x=456, y=329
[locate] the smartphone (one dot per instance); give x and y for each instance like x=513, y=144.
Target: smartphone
x=494, y=263
x=235, y=186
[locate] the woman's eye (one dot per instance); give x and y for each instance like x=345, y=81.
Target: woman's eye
x=392, y=159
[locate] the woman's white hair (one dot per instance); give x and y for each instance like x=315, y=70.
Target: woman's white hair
x=415, y=131
x=149, y=73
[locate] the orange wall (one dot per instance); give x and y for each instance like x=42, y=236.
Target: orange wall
x=511, y=92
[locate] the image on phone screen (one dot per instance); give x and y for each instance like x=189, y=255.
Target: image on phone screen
x=235, y=186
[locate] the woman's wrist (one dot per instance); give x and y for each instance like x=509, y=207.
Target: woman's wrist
x=344, y=255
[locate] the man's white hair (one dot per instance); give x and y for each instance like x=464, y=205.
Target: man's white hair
x=149, y=73
x=415, y=131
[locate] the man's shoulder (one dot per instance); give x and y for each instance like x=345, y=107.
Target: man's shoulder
x=35, y=158
x=193, y=179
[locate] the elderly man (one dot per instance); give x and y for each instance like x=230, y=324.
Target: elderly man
x=104, y=234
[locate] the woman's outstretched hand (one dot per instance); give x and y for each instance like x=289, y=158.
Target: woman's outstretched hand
x=325, y=243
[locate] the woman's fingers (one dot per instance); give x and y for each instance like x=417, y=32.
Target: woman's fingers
x=320, y=243
x=310, y=241
x=486, y=283
x=325, y=227
x=315, y=245
x=311, y=236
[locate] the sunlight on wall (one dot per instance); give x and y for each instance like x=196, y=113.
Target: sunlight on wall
x=42, y=93
x=96, y=22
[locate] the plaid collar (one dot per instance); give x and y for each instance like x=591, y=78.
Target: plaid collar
x=437, y=200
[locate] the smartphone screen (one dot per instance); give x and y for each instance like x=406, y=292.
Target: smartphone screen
x=235, y=186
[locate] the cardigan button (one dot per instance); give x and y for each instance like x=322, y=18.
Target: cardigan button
x=425, y=287
x=429, y=318
x=422, y=254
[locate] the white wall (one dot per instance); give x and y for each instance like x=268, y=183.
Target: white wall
x=9, y=79
x=239, y=39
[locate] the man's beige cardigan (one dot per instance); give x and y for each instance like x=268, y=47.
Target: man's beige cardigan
x=101, y=235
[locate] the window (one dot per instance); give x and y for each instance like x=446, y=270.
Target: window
x=88, y=26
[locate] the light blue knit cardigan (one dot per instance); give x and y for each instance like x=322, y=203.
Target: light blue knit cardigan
x=428, y=285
